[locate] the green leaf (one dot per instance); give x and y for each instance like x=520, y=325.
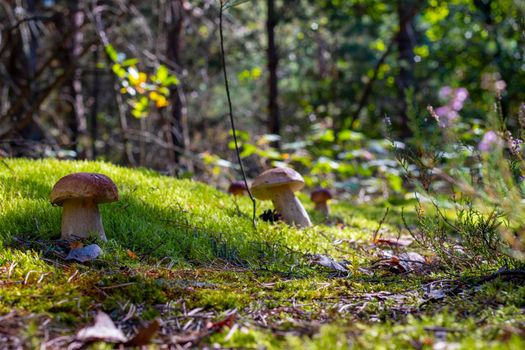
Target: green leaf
x=327, y=136
x=349, y=135
x=130, y=62
x=302, y=159
x=118, y=70
x=248, y=150
x=396, y=182
x=137, y=113
x=112, y=53
x=171, y=80
x=164, y=90
x=241, y=135
x=144, y=102
x=162, y=74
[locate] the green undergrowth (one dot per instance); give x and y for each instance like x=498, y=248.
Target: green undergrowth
x=180, y=251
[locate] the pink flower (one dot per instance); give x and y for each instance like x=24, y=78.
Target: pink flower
x=446, y=115
x=489, y=141
x=445, y=92
x=460, y=95
x=500, y=86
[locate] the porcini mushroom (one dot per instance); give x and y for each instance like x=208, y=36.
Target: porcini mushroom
x=79, y=194
x=279, y=185
x=237, y=188
x=320, y=197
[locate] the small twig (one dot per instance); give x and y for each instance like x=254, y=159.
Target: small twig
x=376, y=232
x=11, y=268
x=27, y=276
x=72, y=276
x=118, y=285
x=230, y=109
x=518, y=273
x=437, y=329
x=27, y=19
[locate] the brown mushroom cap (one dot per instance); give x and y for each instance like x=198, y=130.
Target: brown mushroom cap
x=237, y=188
x=320, y=195
x=271, y=180
x=98, y=187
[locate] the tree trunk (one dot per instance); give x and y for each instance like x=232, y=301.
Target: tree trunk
x=78, y=123
x=31, y=131
x=94, y=104
x=405, y=46
x=176, y=124
x=273, y=123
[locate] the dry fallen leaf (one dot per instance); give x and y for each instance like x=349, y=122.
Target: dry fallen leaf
x=412, y=261
x=143, y=337
x=103, y=330
x=400, y=242
x=403, y=262
x=217, y=326
x=330, y=263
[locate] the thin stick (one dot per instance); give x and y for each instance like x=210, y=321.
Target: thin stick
x=230, y=109
x=376, y=232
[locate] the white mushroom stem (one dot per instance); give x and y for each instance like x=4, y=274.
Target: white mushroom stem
x=291, y=209
x=81, y=219
x=323, y=208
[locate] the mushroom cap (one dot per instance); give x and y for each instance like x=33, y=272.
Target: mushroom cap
x=237, y=188
x=273, y=180
x=320, y=195
x=98, y=187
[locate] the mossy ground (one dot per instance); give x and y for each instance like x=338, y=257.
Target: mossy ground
x=181, y=252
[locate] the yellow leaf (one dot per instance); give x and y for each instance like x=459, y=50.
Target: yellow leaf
x=256, y=73
x=143, y=77
x=161, y=102
x=136, y=78
x=154, y=96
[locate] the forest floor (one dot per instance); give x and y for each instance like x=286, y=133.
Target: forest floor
x=184, y=268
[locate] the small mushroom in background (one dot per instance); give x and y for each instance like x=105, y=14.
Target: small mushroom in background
x=79, y=194
x=279, y=185
x=237, y=188
x=320, y=197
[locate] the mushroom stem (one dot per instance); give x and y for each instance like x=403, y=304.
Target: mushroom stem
x=81, y=219
x=323, y=208
x=291, y=209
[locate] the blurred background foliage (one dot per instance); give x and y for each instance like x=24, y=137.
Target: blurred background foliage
x=330, y=87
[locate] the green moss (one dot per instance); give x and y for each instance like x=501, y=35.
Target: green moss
x=219, y=300
x=190, y=249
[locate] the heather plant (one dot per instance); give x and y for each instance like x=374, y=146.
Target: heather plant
x=481, y=164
